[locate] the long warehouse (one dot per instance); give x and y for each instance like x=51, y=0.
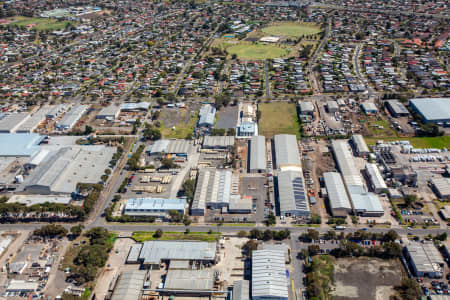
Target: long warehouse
x=375, y=179
x=337, y=196
x=292, y=194
x=360, y=145
x=286, y=151
x=257, y=162
x=269, y=279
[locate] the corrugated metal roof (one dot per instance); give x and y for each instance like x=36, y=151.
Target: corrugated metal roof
x=425, y=257
x=169, y=146
x=306, y=107
x=35, y=120
x=366, y=202
x=397, y=107
x=432, y=108
x=129, y=286
x=336, y=191
x=23, y=144
x=241, y=290
x=369, y=107
x=189, y=280
x=292, y=193
x=71, y=117
x=218, y=141
x=442, y=185
x=11, y=122
x=149, y=205
x=213, y=186
x=258, y=153
x=133, y=255
x=109, y=111
x=345, y=162
x=207, y=115
x=269, y=274
x=286, y=150
x=360, y=143
x=135, y=106
x=375, y=177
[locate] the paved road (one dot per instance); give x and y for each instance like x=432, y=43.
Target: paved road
x=369, y=89
x=312, y=61
x=267, y=81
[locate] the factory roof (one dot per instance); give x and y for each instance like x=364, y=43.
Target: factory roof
x=11, y=122
x=22, y=285
x=169, y=146
x=133, y=255
x=30, y=200
x=286, y=150
x=397, y=107
x=35, y=120
x=432, y=108
x=207, y=115
x=292, y=192
x=23, y=144
x=152, y=204
x=72, y=116
x=189, y=280
x=345, y=162
x=154, y=251
x=135, y=106
x=109, y=111
x=306, y=106
x=336, y=191
x=364, y=201
x=257, y=153
x=375, y=176
x=269, y=274
x=332, y=104
x=238, y=203
x=218, y=141
x=129, y=286
x=369, y=107
x=213, y=186
x=360, y=143
x=241, y=290
x=426, y=257
x=442, y=185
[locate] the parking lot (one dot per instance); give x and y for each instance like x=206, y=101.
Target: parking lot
x=255, y=186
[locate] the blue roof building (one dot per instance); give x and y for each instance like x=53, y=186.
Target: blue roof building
x=154, y=207
x=432, y=109
x=23, y=144
x=247, y=129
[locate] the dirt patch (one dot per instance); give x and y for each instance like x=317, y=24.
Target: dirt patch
x=366, y=278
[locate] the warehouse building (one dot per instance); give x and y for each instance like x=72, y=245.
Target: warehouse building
x=135, y=106
x=286, y=151
x=257, y=150
x=425, y=259
x=10, y=123
x=153, y=253
x=218, y=142
x=174, y=147
x=71, y=117
x=369, y=108
x=21, y=286
x=35, y=120
x=240, y=205
x=241, y=290
x=213, y=190
x=154, y=207
x=207, y=116
x=364, y=203
x=129, y=285
x=247, y=129
x=56, y=111
x=396, y=108
x=360, y=145
x=188, y=282
x=332, y=107
x=376, y=181
x=292, y=194
x=60, y=172
x=110, y=112
x=306, y=108
x=269, y=280
x=337, y=196
x=30, y=200
x=434, y=110
x=441, y=186
x=20, y=145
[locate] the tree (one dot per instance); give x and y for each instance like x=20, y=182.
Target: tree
x=256, y=234
x=167, y=163
x=77, y=230
x=242, y=233
x=313, y=250
x=88, y=130
x=158, y=233
x=187, y=231
x=409, y=289
x=390, y=236
x=392, y=250
x=409, y=200
x=151, y=133
x=271, y=220
x=310, y=235
x=330, y=234
x=189, y=189
x=268, y=235
x=186, y=221
x=249, y=247
x=175, y=216
x=50, y=231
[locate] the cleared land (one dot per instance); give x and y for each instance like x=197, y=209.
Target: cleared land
x=142, y=236
x=277, y=118
x=292, y=29
x=418, y=142
x=182, y=120
x=40, y=24
x=366, y=278
x=257, y=51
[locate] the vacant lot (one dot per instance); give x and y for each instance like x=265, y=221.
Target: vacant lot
x=245, y=50
x=278, y=118
x=177, y=123
x=290, y=29
x=366, y=278
x=418, y=142
x=141, y=236
x=380, y=128
x=40, y=24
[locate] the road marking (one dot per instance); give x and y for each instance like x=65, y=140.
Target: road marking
x=293, y=289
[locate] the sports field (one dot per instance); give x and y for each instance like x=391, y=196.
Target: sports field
x=257, y=51
x=291, y=29
x=277, y=118
x=40, y=24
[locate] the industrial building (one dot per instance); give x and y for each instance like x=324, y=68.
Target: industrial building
x=129, y=285
x=435, y=110
x=241, y=290
x=174, y=147
x=337, y=196
x=30, y=200
x=21, y=286
x=155, y=207
x=153, y=253
x=135, y=106
x=425, y=259
x=35, y=120
x=110, y=112
x=188, y=282
x=247, y=129
x=369, y=108
x=445, y=212
x=269, y=279
x=332, y=106
x=306, y=108
x=364, y=203
x=20, y=145
x=218, y=142
x=257, y=151
x=56, y=111
x=213, y=190
x=376, y=181
x=360, y=145
x=60, y=172
x=292, y=194
x=396, y=108
x=240, y=205
x=286, y=151
x=441, y=186
x=10, y=123
x=71, y=117
x=207, y=116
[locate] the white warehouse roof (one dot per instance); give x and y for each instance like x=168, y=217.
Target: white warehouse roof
x=360, y=144
x=269, y=275
x=154, y=251
x=336, y=191
x=375, y=177
x=286, y=150
x=345, y=162
x=257, y=153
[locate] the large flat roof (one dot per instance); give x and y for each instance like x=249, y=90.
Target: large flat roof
x=375, y=176
x=258, y=153
x=442, y=185
x=286, y=150
x=30, y=200
x=154, y=204
x=23, y=144
x=432, y=109
x=269, y=274
x=11, y=122
x=345, y=162
x=336, y=191
x=129, y=286
x=154, y=251
x=213, y=186
x=218, y=141
x=207, y=115
x=292, y=193
x=169, y=146
x=189, y=280
x=426, y=257
x=360, y=143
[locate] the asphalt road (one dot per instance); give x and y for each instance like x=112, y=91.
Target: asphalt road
x=267, y=81
x=358, y=70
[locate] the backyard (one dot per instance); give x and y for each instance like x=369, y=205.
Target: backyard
x=278, y=118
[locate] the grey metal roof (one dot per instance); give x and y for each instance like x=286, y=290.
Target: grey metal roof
x=35, y=120
x=336, y=191
x=442, y=185
x=375, y=176
x=218, y=141
x=306, y=107
x=154, y=251
x=425, y=257
x=365, y=202
x=269, y=274
x=213, y=186
x=189, y=280
x=153, y=206
x=397, y=106
x=286, y=150
x=345, y=162
x=133, y=255
x=207, y=115
x=241, y=290
x=71, y=117
x=109, y=111
x=432, y=108
x=292, y=193
x=369, y=106
x=11, y=122
x=169, y=147
x=129, y=286
x=360, y=143
x=258, y=153
x=332, y=105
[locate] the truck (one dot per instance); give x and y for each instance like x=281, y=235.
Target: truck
x=339, y=227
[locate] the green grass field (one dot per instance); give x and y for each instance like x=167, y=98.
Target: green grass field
x=42, y=24
x=418, y=142
x=278, y=118
x=142, y=236
x=292, y=29
x=257, y=51
x=182, y=129
x=374, y=130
